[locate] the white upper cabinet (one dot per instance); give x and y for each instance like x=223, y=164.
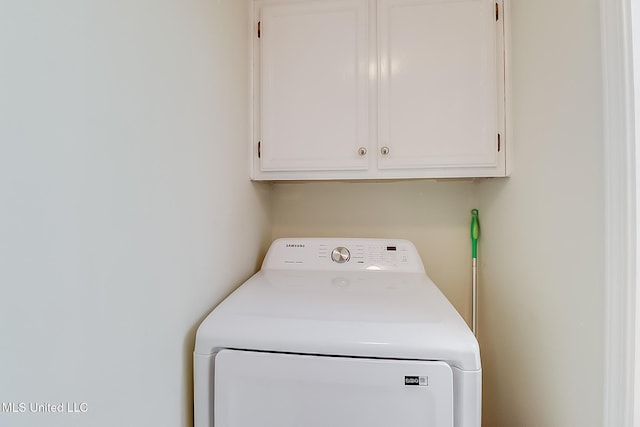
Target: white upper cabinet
x=378, y=89
x=438, y=95
x=314, y=82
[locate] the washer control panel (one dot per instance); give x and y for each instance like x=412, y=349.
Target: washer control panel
x=346, y=254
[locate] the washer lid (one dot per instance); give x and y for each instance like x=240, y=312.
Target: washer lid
x=347, y=313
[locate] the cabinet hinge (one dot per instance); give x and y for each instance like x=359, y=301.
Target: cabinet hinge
x=258, y=29
x=497, y=11
x=498, y=143
x=259, y=152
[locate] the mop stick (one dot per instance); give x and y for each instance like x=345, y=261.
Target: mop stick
x=475, y=233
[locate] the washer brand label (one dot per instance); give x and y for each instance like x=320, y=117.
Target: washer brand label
x=294, y=245
x=413, y=380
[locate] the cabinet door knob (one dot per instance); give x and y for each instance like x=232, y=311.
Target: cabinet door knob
x=384, y=150
x=362, y=151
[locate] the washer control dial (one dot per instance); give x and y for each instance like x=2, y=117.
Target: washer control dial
x=340, y=255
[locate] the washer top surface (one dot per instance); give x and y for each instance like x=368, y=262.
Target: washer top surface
x=346, y=297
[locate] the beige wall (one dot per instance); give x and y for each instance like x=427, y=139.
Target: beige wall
x=542, y=268
x=541, y=308
x=126, y=212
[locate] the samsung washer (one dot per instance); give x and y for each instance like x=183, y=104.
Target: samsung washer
x=337, y=332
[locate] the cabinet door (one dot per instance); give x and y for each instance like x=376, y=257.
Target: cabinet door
x=438, y=87
x=314, y=85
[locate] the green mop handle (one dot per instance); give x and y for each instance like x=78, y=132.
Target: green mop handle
x=475, y=233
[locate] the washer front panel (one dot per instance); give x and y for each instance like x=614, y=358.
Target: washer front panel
x=290, y=390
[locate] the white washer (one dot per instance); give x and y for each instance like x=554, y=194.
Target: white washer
x=340, y=333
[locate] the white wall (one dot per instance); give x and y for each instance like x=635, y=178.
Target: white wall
x=125, y=208
x=635, y=34
x=541, y=311
x=635, y=29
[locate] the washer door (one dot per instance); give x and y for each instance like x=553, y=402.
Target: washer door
x=289, y=390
